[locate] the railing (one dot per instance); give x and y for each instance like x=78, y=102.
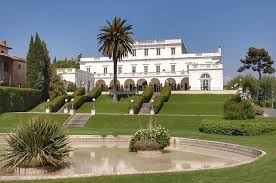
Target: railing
x=206, y=66
x=177, y=73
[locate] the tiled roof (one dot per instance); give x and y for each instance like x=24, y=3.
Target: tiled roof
x=12, y=57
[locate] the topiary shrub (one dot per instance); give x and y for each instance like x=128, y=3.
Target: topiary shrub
x=258, y=110
x=37, y=143
x=18, y=99
x=79, y=91
x=137, y=103
x=237, y=108
x=147, y=93
x=158, y=103
x=159, y=135
x=242, y=128
x=95, y=92
x=166, y=93
x=79, y=100
x=57, y=103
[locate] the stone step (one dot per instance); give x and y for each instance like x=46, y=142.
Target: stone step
x=77, y=120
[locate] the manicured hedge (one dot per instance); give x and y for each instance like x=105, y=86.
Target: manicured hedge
x=158, y=103
x=166, y=93
x=18, y=99
x=79, y=91
x=57, y=103
x=95, y=92
x=242, y=128
x=147, y=93
x=237, y=108
x=137, y=103
x=79, y=100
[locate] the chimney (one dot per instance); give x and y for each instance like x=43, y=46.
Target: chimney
x=4, y=42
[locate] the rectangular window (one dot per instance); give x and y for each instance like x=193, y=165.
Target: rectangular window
x=172, y=68
x=158, y=51
x=105, y=70
x=120, y=70
x=146, y=51
x=173, y=51
x=88, y=69
x=133, y=69
x=146, y=69
x=134, y=52
x=158, y=69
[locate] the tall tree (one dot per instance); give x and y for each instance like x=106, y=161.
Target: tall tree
x=115, y=41
x=57, y=85
x=258, y=60
x=55, y=60
x=38, y=66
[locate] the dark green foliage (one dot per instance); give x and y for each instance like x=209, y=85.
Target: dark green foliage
x=71, y=87
x=95, y=92
x=57, y=103
x=143, y=137
x=56, y=86
x=158, y=103
x=115, y=42
x=66, y=64
x=37, y=143
x=79, y=100
x=166, y=93
x=237, y=108
x=247, y=82
x=79, y=91
x=137, y=103
x=147, y=93
x=244, y=128
x=18, y=99
x=38, y=66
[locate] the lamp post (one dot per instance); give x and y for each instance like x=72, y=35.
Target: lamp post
x=152, y=109
x=48, y=106
x=93, y=110
x=131, y=111
x=72, y=111
x=66, y=106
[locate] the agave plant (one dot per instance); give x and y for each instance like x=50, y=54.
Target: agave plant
x=37, y=143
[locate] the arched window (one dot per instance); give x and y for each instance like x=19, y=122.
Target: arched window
x=205, y=81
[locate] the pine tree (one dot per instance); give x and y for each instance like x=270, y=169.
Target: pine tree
x=55, y=60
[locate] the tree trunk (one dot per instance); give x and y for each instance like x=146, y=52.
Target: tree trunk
x=259, y=83
x=115, y=98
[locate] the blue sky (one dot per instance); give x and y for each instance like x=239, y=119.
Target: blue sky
x=69, y=27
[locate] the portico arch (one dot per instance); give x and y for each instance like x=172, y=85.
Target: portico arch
x=156, y=84
x=129, y=85
x=112, y=83
x=184, y=85
x=142, y=84
x=102, y=84
x=171, y=82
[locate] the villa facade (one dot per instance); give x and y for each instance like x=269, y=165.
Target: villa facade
x=159, y=63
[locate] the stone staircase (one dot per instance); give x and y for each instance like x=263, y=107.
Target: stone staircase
x=77, y=120
x=145, y=109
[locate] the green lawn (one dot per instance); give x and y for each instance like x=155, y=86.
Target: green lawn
x=40, y=108
x=9, y=121
x=190, y=104
x=104, y=104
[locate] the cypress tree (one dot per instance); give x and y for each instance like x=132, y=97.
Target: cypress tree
x=38, y=66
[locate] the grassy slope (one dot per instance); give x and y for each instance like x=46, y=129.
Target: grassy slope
x=9, y=121
x=104, y=104
x=194, y=104
x=40, y=108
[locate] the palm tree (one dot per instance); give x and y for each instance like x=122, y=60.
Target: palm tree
x=115, y=42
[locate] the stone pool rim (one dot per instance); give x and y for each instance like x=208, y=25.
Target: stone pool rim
x=254, y=153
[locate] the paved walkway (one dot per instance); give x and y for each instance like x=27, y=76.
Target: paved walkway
x=270, y=112
x=77, y=120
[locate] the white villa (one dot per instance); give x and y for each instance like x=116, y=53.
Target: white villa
x=156, y=63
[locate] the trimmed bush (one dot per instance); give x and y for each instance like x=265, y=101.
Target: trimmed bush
x=18, y=99
x=57, y=103
x=166, y=93
x=79, y=91
x=147, y=93
x=242, y=128
x=237, y=108
x=79, y=100
x=137, y=103
x=159, y=135
x=95, y=92
x=158, y=103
